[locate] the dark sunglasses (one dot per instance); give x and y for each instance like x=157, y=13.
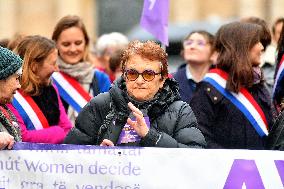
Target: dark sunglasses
x=148, y=75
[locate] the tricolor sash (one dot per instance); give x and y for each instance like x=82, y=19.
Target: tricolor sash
x=279, y=75
x=71, y=90
x=29, y=111
x=243, y=100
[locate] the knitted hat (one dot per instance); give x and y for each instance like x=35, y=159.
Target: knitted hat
x=9, y=63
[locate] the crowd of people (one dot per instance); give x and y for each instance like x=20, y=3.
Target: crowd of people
x=228, y=94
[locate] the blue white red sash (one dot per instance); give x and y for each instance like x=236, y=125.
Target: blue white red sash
x=30, y=112
x=244, y=101
x=71, y=90
x=279, y=75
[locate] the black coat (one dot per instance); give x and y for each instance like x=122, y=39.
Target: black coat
x=276, y=135
x=186, y=86
x=222, y=123
x=173, y=123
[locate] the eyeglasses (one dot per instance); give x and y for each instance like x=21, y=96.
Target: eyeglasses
x=148, y=75
x=199, y=43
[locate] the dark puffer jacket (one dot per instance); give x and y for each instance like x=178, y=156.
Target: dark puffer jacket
x=173, y=123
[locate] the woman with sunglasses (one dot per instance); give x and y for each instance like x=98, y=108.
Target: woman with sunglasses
x=143, y=107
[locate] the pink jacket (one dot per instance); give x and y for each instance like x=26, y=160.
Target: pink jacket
x=55, y=134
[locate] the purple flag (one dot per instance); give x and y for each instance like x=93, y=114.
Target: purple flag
x=154, y=19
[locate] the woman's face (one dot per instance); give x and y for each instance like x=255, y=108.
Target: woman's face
x=71, y=45
x=197, y=49
x=140, y=89
x=255, y=54
x=45, y=70
x=8, y=88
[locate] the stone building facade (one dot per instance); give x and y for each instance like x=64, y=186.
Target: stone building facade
x=39, y=16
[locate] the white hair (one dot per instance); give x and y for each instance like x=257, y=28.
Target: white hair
x=19, y=71
x=108, y=43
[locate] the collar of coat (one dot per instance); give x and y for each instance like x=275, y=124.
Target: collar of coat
x=165, y=96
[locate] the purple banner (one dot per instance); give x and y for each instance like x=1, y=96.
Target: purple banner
x=41, y=146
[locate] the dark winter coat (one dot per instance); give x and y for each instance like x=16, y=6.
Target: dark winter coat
x=173, y=123
x=276, y=135
x=186, y=86
x=222, y=123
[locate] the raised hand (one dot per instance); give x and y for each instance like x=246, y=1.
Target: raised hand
x=139, y=125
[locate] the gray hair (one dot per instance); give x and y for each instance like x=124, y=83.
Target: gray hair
x=108, y=43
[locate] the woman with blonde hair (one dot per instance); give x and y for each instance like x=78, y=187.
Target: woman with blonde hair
x=77, y=80
x=37, y=105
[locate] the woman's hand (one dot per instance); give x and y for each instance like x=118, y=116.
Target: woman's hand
x=139, y=125
x=107, y=142
x=6, y=140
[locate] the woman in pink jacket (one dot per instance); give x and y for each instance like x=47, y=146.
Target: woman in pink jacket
x=37, y=104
